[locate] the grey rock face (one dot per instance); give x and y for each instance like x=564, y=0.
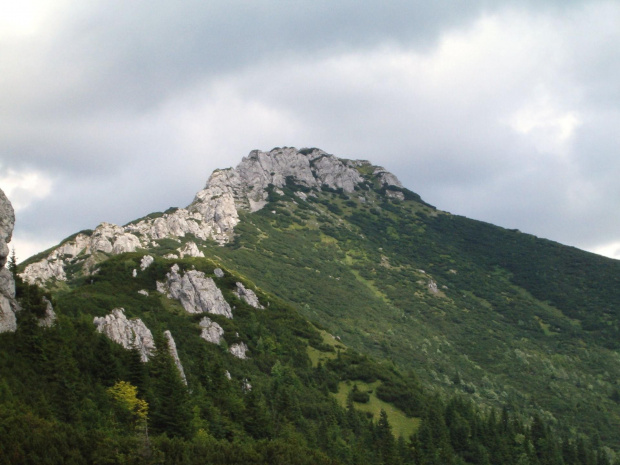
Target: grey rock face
x=8, y=305
x=44, y=270
x=239, y=350
x=248, y=296
x=386, y=178
x=196, y=292
x=218, y=272
x=190, y=250
x=172, y=348
x=211, y=331
x=214, y=212
x=8, y=322
x=131, y=334
x=49, y=318
x=245, y=187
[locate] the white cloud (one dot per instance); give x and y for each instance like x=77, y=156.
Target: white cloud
x=24, y=187
x=611, y=250
x=28, y=17
x=25, y=248
x=549, y=127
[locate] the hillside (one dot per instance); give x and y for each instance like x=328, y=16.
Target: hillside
x=348, y=307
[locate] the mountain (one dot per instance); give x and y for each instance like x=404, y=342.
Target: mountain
x=301, y=308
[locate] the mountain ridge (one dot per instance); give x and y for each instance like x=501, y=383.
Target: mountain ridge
x=214, y=212
x=463, y=307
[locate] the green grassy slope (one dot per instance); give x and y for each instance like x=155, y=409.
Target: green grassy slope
x=514, y=320
x=382, y=316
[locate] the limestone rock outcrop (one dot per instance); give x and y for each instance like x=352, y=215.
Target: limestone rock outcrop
x=44, y=270
x=248, y=296
x=196, y=292
x=146, y=261
x=214, y=212
x=211, y=331
x=239, y=350
x=246, y=186
x=131, y=334
x=386, y=178
x=172, y=348
x=190, y=250
x=49, y=318
x=8, y=305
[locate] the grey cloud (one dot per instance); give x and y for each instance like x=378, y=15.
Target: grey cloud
x=130, y=105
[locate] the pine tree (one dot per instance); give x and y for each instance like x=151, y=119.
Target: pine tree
x=385, y=440
x=169, y=400
x=12, y=265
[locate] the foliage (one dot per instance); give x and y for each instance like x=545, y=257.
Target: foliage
x=491, y=345
x=131, y=409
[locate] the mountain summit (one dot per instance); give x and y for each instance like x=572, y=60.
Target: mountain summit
x=214, y=212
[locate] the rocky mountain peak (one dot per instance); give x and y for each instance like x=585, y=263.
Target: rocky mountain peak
x=214, y=212
x=246, y=186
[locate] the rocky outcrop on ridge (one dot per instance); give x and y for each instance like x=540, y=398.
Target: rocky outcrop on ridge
x=196, y=292
x=246, y=186
x=248, y=296
x=190, y=250
x=8, y=305
x=172, y=348
x=131, y=334
x=214, y=212
x=211, y=331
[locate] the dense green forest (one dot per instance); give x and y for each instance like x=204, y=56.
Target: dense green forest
x=70, y=395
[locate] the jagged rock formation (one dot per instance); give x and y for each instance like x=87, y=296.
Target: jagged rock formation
x=131, y=334
x=211, y=331
x=196, y=292
x=248, y=296
x=49, y=318
x=172, y=348
x=8, y=305
x=214, y=212
x=239, y=350
x=190, y=250
x=246, y=186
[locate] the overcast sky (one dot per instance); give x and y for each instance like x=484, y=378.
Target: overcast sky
x=502, y=111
